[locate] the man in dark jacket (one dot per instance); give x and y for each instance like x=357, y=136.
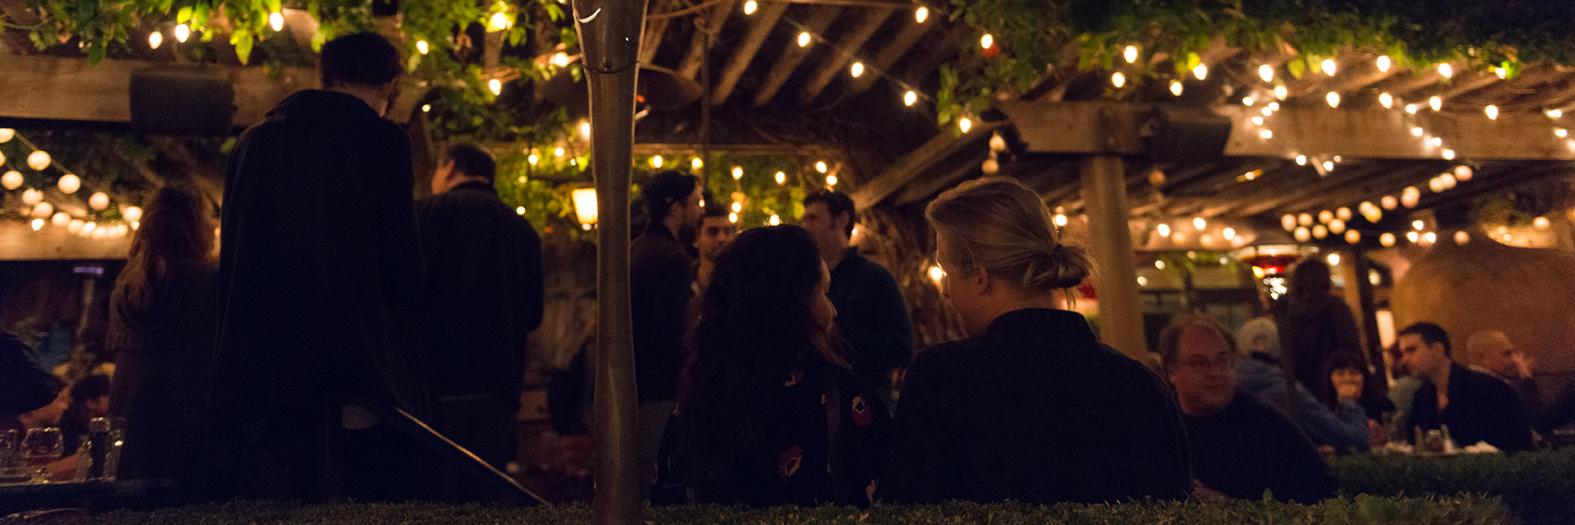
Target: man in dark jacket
x=1475, y=406
x=27, y=386
x=319, y=274
x=483, y=296
x=661, y=281
x=872, y=317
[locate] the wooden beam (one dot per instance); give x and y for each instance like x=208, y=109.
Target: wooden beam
x=706, y=27
x=1115, y=128
x=1387, y=179
x=18, y=242
x=54, y=88
x=944, y=174
x=1110, y=244
x=888, y=55
x=851, y=42
x=912, y=165
x=793, y=55
x=759, y=29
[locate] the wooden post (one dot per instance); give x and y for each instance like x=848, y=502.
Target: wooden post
x=1359, y=297
x=610, y=37
x=1110, y=244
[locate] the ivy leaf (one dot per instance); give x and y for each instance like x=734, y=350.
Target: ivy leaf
x=243, y=49
x=1297, y=67
x=95, y=53
x=184, y=15
x=273, y=6
x=1193, y=60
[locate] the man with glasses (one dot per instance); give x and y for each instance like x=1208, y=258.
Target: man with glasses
x=1241, y=446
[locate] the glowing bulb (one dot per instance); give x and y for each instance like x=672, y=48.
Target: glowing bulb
x=732, y=217
x=774, y=220
x=1201, y=72
x=1281, y=92
x=1552, y=113
x=750, y=7
x=1229, y=233
x=1249, y=100
x=821, y=167
x=1446, y=70
x=986, y=41
x=558, y=152
x=1561, y=133
x=1501, y=73
x=657, y=161
x=1333, y=98
x=1325, y=216
x=1060, y=220
x=1163, y=230
x=1411, y=109
x=1410, y=197
x=804, y=39
x=1199, y=223
x=98, y=200
x=31, y=196
x=738, y=207
x=696, y=164
x=38, y=160
x=423, y=47
x=1384, y=63
x=1320, y=231
x=1386, y=100
x=1389, y=202
x=495, y=86
x=936, y=274
x=498, y=22
x=1541, y=224
x=182, y=33
x=1353, y=237
x=1257, y=120
x=37, y=224
x=1302, y=234
x=1435, y=141
x=857, y=69
x=1386, y=240
x=1448, y=154
x=1435, y=102
x=1337, y=226
x=738, y=172
x=831, y=180
x=1175, y=88
x=1464, y=173
x=1417, y=131
x=533, y=158
x=6, y=134
x=1118, y=80
x=919, y=15
x=560, y=59
x=1305, y=219
x=585, y=129
x=519, y=211
x=1328, y=165
x=426, y=108
x=1265, y=134
x=965, y=124
x=155, y=39
x=43, y=209
x=997, y=143
x=1288, y=222
x=1461, y=237
x=1328, y=66
x=276, y=21
x=1430, y=237
x=910, y=98
x=1301, y=160
x=62, y=218
x=131, y=213
x=781, y=178
x=1491, y=111
x=11, y=180
x=1142, y=281
x=1266, y=73
x=1334, y=259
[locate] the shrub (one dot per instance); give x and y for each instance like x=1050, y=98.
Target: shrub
x=1538, y=487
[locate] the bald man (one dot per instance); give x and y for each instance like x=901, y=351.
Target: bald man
x=1494, y=353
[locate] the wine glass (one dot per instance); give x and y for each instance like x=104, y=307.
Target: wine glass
x=41, y=447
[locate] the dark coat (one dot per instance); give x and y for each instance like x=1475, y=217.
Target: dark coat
x=871, y=318
x=27, y=386
x=1034, y=410
x=1481, y=408
x=319, y=276
x=1250, y=447
x=165, y=352
x=661, y=280
x=1313, y=332
x=483, y=291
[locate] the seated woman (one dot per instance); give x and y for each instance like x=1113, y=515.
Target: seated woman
x=1031, y=408
x=753, y=424
x=1258, y=368
x=1241, y=446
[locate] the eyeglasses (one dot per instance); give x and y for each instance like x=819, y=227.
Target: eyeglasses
x=1204, y=364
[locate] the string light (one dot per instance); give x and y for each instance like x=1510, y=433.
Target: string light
x=1435, y=102
x=1353, y=237
x=426, y=108
x=182, y=33
x=1418, y=225
x=732, y=217
x=1343, y=213
x=558, y=152
x=1118, y=80
x=657, y=161
x=1130, y=54
x=1501, y=73
x=1229, y=233
x=495, y=86
x=1541, y=224
x=831, y=180
x=936, y=274
x=1430, y=237
x=750, y=6
x=965, y=124
x=1384, y=63
x=1389, y=202
x=1461, y=237
x=1302, y=234
x=276, y=21
x=498, y=22
x=1328, y=66
x=1435, y=141
x=11, y=180
x=43, y=209
x=1281, y=92
x=1164, y=231
x=1265, y=134
x=585, y=129
x=696, y=164
x=1446, y=70
x=1301, y=160
x=1200, y=71
x=1257, y=120
x=98, y=201
x=533, y=158
x=69, y=183
x=738, y=172
x=1448, y=154
x=803, y=39
x=1464, y=173
x=1334, y=259
x=775, y=220
x=1249, y=100
x=1288, y=222
x=560, y=59
x=910, y=98
x=738, y=207
x=423, y=47
x=1325, y=216
x=986, y=41
x=155, y=39
x=1320, y=231
x=1199, y=223
x=781, y=178
x=1554, y=113
x=1411, y=109
x=1417, y=131
x=1333, y=98
x=1386, y=240
x=1386, y=100
x=857, y=69
x=919, y=15
x=1491, y=111
x=1266, y=73
x=520, y=211
x=1175, y=88
x=821, y=167
x=1328, y=165
x=1305, y=219
x=37, y=224
x=1410, y=197
x=38, y=160
x=1561, y=132
x=62, y=218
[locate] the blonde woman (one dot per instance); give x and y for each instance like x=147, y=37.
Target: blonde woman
x=1031, y=407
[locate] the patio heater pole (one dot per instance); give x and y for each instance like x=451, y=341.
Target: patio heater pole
x=610, y=33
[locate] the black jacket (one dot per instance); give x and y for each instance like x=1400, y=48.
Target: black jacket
x=1313, y=331
x=319, y=276
x=483, y=291
x=661, y=279
x=1251, y=447
x=1481, y=408
x=871, y=318
x=27, y=386
x=1034, y=410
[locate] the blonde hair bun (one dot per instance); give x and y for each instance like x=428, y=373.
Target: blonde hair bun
x=1003, y=226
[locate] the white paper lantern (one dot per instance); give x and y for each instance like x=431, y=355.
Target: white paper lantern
x=1410, y=197
x=38, y=160
x=1387, y=240
x=98, y=201
x=32, y=196
x=1302, y=235
x=1353, y=237
x=43, y=210
x=6, y=134
x=61, y=218
x=69, y=183
x=131, y=213
x=11, y=180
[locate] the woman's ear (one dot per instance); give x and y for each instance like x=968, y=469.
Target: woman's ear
x=982, y=280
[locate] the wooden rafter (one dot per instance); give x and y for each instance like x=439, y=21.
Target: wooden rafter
x=912, y=165
x=51, y=88
x=793, y=55
x=706, y=27
x=890, y=53
x=850, y=42
x=744, y=53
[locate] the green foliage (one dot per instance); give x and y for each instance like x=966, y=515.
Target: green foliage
x=1538, y=487
x=1361, y=510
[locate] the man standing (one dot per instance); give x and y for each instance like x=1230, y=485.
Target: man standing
x=1492, y=352
x=1241, y=446
x=716, y=232
x=483, y=297
x=1475, y=406
x=661, y=280
x=871, y=315
x=319, y=275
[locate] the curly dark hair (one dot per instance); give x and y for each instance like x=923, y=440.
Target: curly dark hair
x=757, y=323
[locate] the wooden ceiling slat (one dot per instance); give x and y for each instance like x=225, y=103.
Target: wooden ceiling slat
x=707, y=26
x=793, y=55
x=890, y=53
x=850, y=42
x=759, y=29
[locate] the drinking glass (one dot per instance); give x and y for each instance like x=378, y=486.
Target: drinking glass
x=7, y=447
x=41, y=447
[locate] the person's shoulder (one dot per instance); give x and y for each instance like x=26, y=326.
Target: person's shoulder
x=943, y=358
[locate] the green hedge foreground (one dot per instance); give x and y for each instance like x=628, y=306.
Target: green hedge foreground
x=1360, y=510
x=1538, y=487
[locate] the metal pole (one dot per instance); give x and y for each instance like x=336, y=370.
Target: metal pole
x=610, y=34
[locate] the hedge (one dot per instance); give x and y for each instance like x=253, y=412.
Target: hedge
x=1358, y=510
x=1538, y=487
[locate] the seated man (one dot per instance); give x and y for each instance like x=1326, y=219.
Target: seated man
x=1240, y=445
x=1475, y=406
x=1259, y=373
x=1493, y=353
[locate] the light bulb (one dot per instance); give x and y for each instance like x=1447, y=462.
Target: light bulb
x=1430, y=237
x=1501, y=73
x=738, y=207
x=1200, y=71
x=831, y=180
x=60, y=219
x=1229, y=233
x=936, y=274
x=1163, y=230
x=182, y=33
x=1265, y=134
x=276, y=21
x=38, y=160
x=1386, y=100
x=804, y=39
x=131, y=213
x=520, y=211
x=965, y=124
x=1175, y=88
x=1446, y=70
x=1305, y=219
x=821, y=167
x=732, y=217
x=910, y=98
x=1435, y=141
x=1386, y=240
x=1464, y=173
x=774, y=220
x=37, y=224
x=1320, y=231
x=1060, y=220
x=1417, y=131
x=1343, y=213
x=98, y=200
x=857, y=69
x=1118, y=80
x=1325, y=216
x=1281, y=92
x=6, y=134
x=423, y=47
x=1410, y=197
x=498, y=21
x=1159, y=264
x=495, y=86
x=1288, y=222
x=919, y=15
x=696, y=164
x=1554, y=113
x=11, y=180
x=1130, y=54
x=1266, y=73
x=558, y=152
x=1328, y=66
x=533, y=158
x=1353, y=237
x=69, y=183
x=155, y=39
x=781, y=178
x=43, y=209
x=1448, y=154
x=1561, y=133
x=1411, y=109
x=1461, y=237
x=750, y=7
x=1333, y=98
x=1200, y=223
x=1384, y=63
x=1337, y=226
x=1142, y=281
x=1435, y=102
x=738, y=172
x=657, y=161
x=426, y=108
x=1389, y=202
x=1257, y=120
x=1302, y=234
x=1541, y=224
x=1334, y=259
x=997, y=143
x=585, y=130
x=1301, y=160
x=986, y=41
x=1328, y=165
x=1249, y=100
x=560, y=59
x=1491, y=111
